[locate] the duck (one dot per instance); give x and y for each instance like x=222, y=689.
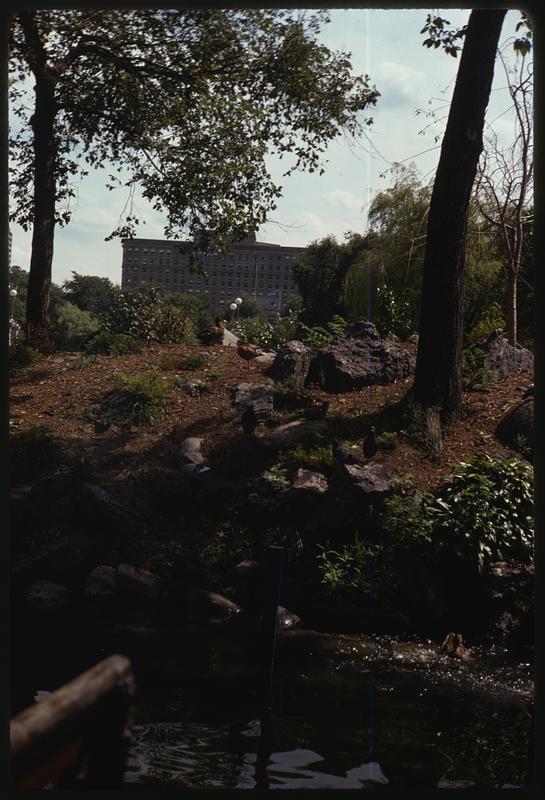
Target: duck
x=454, y=647
x=370, y=444
x=249, y=420
x=213, y=334
x=248, y=351
x=317, y=411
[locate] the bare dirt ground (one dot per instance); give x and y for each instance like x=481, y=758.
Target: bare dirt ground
x=59, y=391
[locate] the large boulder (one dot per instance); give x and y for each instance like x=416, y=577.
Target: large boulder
x=260, y=395
x=137, y=582
x=292, y=364
x=500, y=358
x=359, y=357
x=516, y=429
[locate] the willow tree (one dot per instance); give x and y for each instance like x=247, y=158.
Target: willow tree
x=438, y=376
x=187, y=103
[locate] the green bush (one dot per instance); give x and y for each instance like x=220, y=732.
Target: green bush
x=22, y=355
x=485, y=513
x=73, y=327
x=192, y=361
x=113, y=344
x=387, y=441
x=138, y=400
x=257, y=331
x=314, y=458
x=476, y=370
x=149, y=316
x=345, y=573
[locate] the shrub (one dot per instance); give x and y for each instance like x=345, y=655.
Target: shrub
x=314, y=458
x=114, y=344
x=387, y=440
x=485, y=513
x=257, y=331
x=149, y=316
x=73, y=327
x=22, y=355
x=192, y=361
x=345, y=573
x=476, y=370
x=138, y=400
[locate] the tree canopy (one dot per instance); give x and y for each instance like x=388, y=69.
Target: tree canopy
x=185, y=102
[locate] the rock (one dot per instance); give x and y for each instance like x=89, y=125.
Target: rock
x=101, y=583
x=308, y=481
x=286, y=619
x=103, y=513
x=210, y=607
x=137, y=582
x=370, y=479
x=516, y=429
x=266, y=360
x=229, y=339
x=501, y=358
x=292, y=364
x=47, y=595
x=294, y=432
x=190, y=450
x=260, y=395
x=359, y=357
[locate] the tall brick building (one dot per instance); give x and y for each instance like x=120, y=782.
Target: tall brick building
x=259, y=269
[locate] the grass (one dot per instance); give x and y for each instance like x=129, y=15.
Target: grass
x=137, y=400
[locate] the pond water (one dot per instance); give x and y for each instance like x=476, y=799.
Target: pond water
x=347, y=711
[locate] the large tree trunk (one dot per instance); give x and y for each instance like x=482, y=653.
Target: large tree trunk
x=438, y=378
x=45, y=156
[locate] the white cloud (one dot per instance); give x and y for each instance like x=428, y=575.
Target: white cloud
x=398, y=83
x=340, y=198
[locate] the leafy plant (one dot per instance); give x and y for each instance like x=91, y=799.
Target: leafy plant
x=388, y=440
x=485, y=513
x=186, y=363
x=345, y=573
x=73, y=326
x=22, y=355
x=476, y=369
x=114, y=344
x=257, y=331
x=149, y=316
x=314, y=458
x=138, y=400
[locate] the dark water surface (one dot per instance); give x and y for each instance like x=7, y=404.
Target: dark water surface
x=348, y=711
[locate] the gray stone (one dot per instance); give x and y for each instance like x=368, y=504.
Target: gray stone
x=260, y=395
x=370, y=479
x=294, y=432
x=516, y=429
x=190, y=450
x=266, y=360
x=211, y=607
x=285, y=620
x=308, y=481
x=229, y=339
x=359, y=357
x=138, y=582
x=292, y=364
x=194, y=387
x=101, y=583
x=47, y=595
x=501, y=358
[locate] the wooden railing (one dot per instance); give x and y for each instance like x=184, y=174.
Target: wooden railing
x=77, y=736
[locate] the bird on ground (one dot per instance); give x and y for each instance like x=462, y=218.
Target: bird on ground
x=454, y=647
x=317, y=411
x=248, y=351
x=370, y=444
x=213, y=334
x=529, y=392
x=249, y=420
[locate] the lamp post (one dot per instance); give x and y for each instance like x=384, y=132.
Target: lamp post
x=13, y=326
x=233, y=307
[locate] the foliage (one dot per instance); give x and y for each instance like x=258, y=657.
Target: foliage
x=22, y=355
x=138, y=400
x=147, y=315
x=89, y=292
x=316, y=336
x=248, y=308
x=345, y=574
x=73, y=327
x=476, y=369
x=491, y=319
x=257, y=331
x=196, y=307
x=388, y=440
x=319, y=458
x=319, y=273
x=188, y=362
x=113, y=344
x=485, y=513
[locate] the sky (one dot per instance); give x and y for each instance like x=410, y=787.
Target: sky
x=413, y=80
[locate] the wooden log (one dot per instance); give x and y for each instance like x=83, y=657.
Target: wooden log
x=78, y=735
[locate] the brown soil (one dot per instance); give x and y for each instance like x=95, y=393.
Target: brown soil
x=59, y=391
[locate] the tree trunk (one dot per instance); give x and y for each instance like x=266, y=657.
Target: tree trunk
x=511, y=307
x=45, y=157
x=438, y=377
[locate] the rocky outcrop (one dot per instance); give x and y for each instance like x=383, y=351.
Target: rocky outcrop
x=359, y=357
x=292, y=364
x=516, y=429
x=260, y=395
x=500, y=358
x=101, y=583
x=47, y=595
x=137, y=582
x=309, y=482
x=190, y=450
